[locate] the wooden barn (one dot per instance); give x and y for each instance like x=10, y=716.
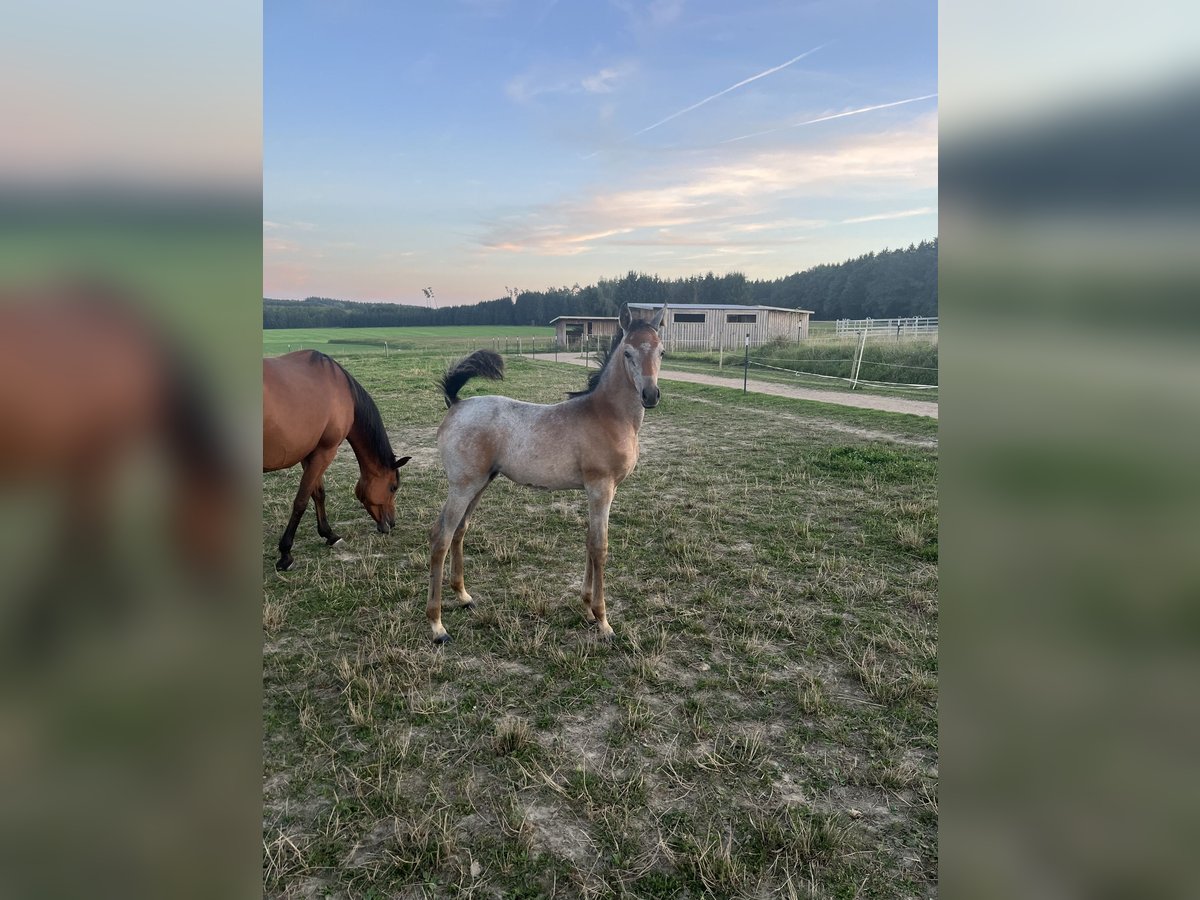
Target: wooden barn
x=695, y=326
x=572, y=330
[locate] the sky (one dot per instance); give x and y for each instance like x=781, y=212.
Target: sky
x=478, y=146
x=132, y=93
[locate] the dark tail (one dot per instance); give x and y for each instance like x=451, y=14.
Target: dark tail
x=483, y=363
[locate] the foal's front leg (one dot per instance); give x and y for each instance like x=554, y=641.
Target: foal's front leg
x=600, y=497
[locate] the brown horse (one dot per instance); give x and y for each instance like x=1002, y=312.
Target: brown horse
x=94, y=393
x=589, y=441
x=310, y=405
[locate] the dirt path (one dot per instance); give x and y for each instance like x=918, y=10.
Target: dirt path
x=840, y=398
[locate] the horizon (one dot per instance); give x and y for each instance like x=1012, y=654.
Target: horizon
x=479, y=146
x=550, y=288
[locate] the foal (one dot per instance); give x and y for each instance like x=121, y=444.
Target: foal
x=589, y=441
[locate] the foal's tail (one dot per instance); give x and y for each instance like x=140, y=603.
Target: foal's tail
x=483, y=363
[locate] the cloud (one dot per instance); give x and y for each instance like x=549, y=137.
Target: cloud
x=883, y=217
x=719, y=202
x=841, y=115
x=732, y=87
x=269, y=225
x=601, y=82
x=527, y=86
x=658, y=14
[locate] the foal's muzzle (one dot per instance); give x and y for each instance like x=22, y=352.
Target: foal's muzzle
x=384, y=524
x=650, y=395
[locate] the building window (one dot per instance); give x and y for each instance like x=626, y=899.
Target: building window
x=741, y=317
x=689, y=317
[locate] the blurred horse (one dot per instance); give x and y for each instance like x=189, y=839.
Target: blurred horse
x=89, y=384
x=589, y=441
x=310, y=405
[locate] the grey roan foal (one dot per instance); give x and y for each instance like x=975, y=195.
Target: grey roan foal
x=589, y=441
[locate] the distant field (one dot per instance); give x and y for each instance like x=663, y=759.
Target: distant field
x=823, y=328
x=372, y=340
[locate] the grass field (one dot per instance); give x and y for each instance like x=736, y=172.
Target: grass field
x=827, y=365
x=451, y=338
x=764, y=724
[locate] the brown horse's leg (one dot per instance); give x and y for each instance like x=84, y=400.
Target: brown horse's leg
x=323, y=528
x=314, y=467
x=457, y=583
x=440, y=538
x=600, y=497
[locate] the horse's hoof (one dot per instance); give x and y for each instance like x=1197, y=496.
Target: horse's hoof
x=283, y=565
x=469, y=605
x=442, y=639
x=334, y=541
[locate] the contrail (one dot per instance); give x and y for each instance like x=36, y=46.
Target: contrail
x=733, y=87
x=841, y=115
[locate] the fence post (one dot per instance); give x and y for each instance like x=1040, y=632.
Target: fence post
x=858, y=363
x=746, y=365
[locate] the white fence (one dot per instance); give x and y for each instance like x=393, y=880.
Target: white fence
x=911, y=326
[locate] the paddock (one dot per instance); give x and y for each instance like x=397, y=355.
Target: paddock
x=767, y=706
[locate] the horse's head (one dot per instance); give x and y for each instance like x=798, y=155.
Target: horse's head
x=376, y=491
x=641, y=352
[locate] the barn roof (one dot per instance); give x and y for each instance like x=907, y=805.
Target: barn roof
x=717, y=306
x=583, y=319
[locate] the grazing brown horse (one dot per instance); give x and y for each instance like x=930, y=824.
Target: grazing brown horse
x=310, y=405
x=589, y=441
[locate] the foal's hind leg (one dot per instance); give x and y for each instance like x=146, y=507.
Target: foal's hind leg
x=457, y=584
x=314, y=467
x=323, y=528
x=461, y=499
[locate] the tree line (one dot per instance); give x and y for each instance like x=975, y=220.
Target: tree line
x=879, y=285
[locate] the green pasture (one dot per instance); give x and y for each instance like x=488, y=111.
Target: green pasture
x=763, y=725
x=342, y=341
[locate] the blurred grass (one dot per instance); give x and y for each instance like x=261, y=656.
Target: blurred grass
x=133, y=756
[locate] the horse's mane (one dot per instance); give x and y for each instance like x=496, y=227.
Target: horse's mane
x=594, y=377
x=366, y=415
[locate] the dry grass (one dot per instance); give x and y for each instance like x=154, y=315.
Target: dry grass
x=763, y=725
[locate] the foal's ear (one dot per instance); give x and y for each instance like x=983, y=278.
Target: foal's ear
x=626, y=318
x=658, y=317
x=398, y=462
